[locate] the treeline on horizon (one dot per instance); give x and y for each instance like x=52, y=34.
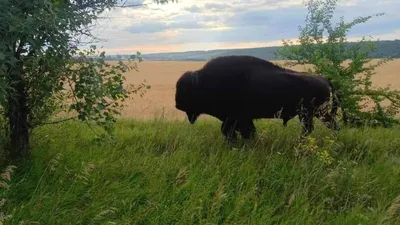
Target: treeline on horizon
x=384, y=49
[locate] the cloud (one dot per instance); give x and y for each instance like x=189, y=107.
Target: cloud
x=205, y=24
x=217, y=7
x=155, y=27
x=193, y=9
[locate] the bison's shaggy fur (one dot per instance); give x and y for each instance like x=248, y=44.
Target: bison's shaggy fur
x=238, y=89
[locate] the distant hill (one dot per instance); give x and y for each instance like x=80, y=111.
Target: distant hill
x=384, y=49
x=265, y=53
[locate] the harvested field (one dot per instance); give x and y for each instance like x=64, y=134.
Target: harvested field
x=162, y=75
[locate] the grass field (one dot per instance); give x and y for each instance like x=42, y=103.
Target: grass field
x=166, y=171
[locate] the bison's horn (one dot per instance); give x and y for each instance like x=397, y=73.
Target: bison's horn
x=195, y=80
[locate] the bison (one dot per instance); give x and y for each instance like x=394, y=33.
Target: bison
x=239, y=89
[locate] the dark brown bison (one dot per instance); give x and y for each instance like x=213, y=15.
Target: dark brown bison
x=238, y=89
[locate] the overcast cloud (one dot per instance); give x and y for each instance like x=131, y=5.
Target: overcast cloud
x=206, y=24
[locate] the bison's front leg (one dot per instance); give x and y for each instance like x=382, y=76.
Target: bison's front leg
x=228, y=128
x=247, y=129
x=285, y=121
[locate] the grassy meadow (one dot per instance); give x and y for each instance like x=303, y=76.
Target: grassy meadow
x=159, y=169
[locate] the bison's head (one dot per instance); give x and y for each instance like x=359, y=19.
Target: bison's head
x=186, y=95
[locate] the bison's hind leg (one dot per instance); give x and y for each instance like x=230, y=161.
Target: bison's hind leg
x=287, y=115
x=306, y=118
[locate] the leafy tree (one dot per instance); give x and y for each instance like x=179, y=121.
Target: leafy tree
x=326, y=48
x=41, y=66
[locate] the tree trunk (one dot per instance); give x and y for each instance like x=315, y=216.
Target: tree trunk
x=17, y=113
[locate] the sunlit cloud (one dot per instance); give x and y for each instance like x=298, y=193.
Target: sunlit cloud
x=207, y=24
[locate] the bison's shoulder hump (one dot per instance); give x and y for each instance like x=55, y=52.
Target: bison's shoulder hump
x=237, y=61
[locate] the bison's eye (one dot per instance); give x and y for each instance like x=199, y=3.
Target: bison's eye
x=178, y=106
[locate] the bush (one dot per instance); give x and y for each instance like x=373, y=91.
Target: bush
x=326, y=49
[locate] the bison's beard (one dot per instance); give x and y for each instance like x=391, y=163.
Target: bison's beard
x=192, y=117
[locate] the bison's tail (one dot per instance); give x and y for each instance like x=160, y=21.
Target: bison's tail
x=335, y=100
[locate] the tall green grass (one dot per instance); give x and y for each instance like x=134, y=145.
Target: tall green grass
x=159, y=172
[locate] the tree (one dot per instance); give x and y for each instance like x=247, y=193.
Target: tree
x=41, y=66
x=325, y=47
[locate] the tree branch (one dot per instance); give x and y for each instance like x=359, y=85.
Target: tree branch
x=130, y=6
x=54, y=122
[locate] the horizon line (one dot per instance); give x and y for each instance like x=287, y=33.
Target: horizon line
x=221, y=49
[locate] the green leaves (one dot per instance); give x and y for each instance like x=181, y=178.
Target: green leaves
x=43, y=37
x=326, y=48
x=98, y=87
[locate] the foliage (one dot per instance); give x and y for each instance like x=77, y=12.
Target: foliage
x=5, y=179
x=42, y=70
x=309, y=146
x=97, y=87
x=326, y=48
x=163, y=172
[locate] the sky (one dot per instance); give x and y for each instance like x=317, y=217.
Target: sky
x=205, y=24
